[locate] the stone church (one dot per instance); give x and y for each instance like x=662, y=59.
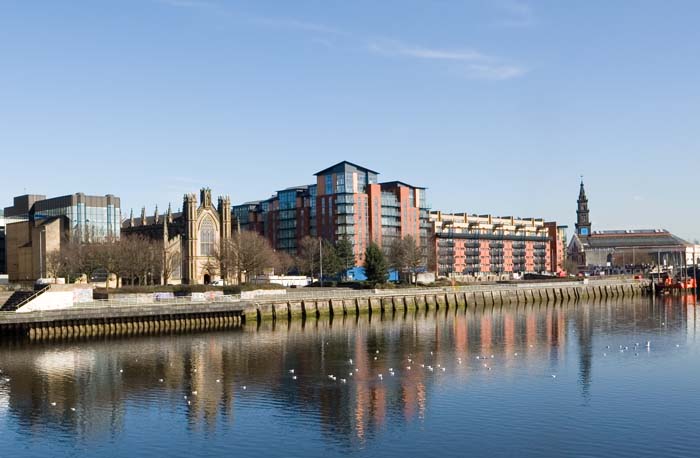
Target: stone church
x=190, y=238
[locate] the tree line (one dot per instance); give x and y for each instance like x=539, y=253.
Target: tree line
x=135, y=259
x=132, y=259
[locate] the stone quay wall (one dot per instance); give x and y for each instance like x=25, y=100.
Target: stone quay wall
x=98, y=319
x=309, y=303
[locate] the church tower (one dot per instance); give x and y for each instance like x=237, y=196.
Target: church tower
x=189, y=261
x=583, y=221
x=224, y=209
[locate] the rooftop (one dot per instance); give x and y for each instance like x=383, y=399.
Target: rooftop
x=344, y=164
x=638, y=238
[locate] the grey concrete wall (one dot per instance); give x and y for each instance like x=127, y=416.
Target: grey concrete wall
x=315, y=303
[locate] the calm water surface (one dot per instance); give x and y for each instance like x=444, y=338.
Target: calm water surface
x=565, y=380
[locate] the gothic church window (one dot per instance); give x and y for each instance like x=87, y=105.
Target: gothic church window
x=207, y=236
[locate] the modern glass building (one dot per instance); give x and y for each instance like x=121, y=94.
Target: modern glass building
x=3, y=264
x=347, y=201
x=88, y=217
x=37, y=226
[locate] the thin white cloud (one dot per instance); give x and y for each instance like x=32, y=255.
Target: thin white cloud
x=476, y=64
x=441, y=54
x=294, y=24
x=497, y=72
x=186, y=3
x=515, y=14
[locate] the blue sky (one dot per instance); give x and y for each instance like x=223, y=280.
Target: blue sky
x=496, y=106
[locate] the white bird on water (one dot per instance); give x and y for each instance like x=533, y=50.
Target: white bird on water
x=294, y=377
x=291, y=371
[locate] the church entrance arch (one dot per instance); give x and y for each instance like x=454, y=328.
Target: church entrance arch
x=207, y=279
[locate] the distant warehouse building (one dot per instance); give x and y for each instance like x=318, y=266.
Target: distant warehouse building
x=595, y=250
x=484, y=245
x=636, y=247
x=36, y=226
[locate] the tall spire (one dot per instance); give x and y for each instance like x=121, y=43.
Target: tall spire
x=131, y=218
x=156, y=217
x=169, y=215
x=583, y=221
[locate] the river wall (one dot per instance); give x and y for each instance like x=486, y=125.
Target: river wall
x=118, y=319
x=309, y=303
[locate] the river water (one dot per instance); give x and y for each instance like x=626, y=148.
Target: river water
x=564, y=380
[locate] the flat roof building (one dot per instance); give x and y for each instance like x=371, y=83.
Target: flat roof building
x=36, y=226
x=346, y=201
x=628, y=247
x=484, y=245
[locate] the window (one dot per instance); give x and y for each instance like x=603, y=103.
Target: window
x=207, y=235
x=329, y=184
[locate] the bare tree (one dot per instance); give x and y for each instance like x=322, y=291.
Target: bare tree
x=250, y=254
x=284, y=262
x=407, y=256
x=171, y=263
x=308, y=256
x=55, y=264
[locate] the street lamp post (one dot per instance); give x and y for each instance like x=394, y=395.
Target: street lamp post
x=320, y=260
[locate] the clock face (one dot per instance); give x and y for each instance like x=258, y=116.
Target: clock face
x=584, y=231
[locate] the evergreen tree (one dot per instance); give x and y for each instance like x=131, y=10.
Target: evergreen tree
x=331, y=263
x=375, y=265
x=345, y=254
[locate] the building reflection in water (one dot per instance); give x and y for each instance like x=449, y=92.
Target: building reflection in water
x=200, y=378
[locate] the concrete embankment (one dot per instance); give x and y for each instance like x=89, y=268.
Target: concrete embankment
x=309, y=303
x=121, y=320
x=124, y=320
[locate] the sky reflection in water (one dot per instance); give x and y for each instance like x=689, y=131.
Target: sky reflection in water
x=565, y=380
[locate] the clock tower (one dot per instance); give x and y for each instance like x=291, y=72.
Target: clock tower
x=583, y=221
